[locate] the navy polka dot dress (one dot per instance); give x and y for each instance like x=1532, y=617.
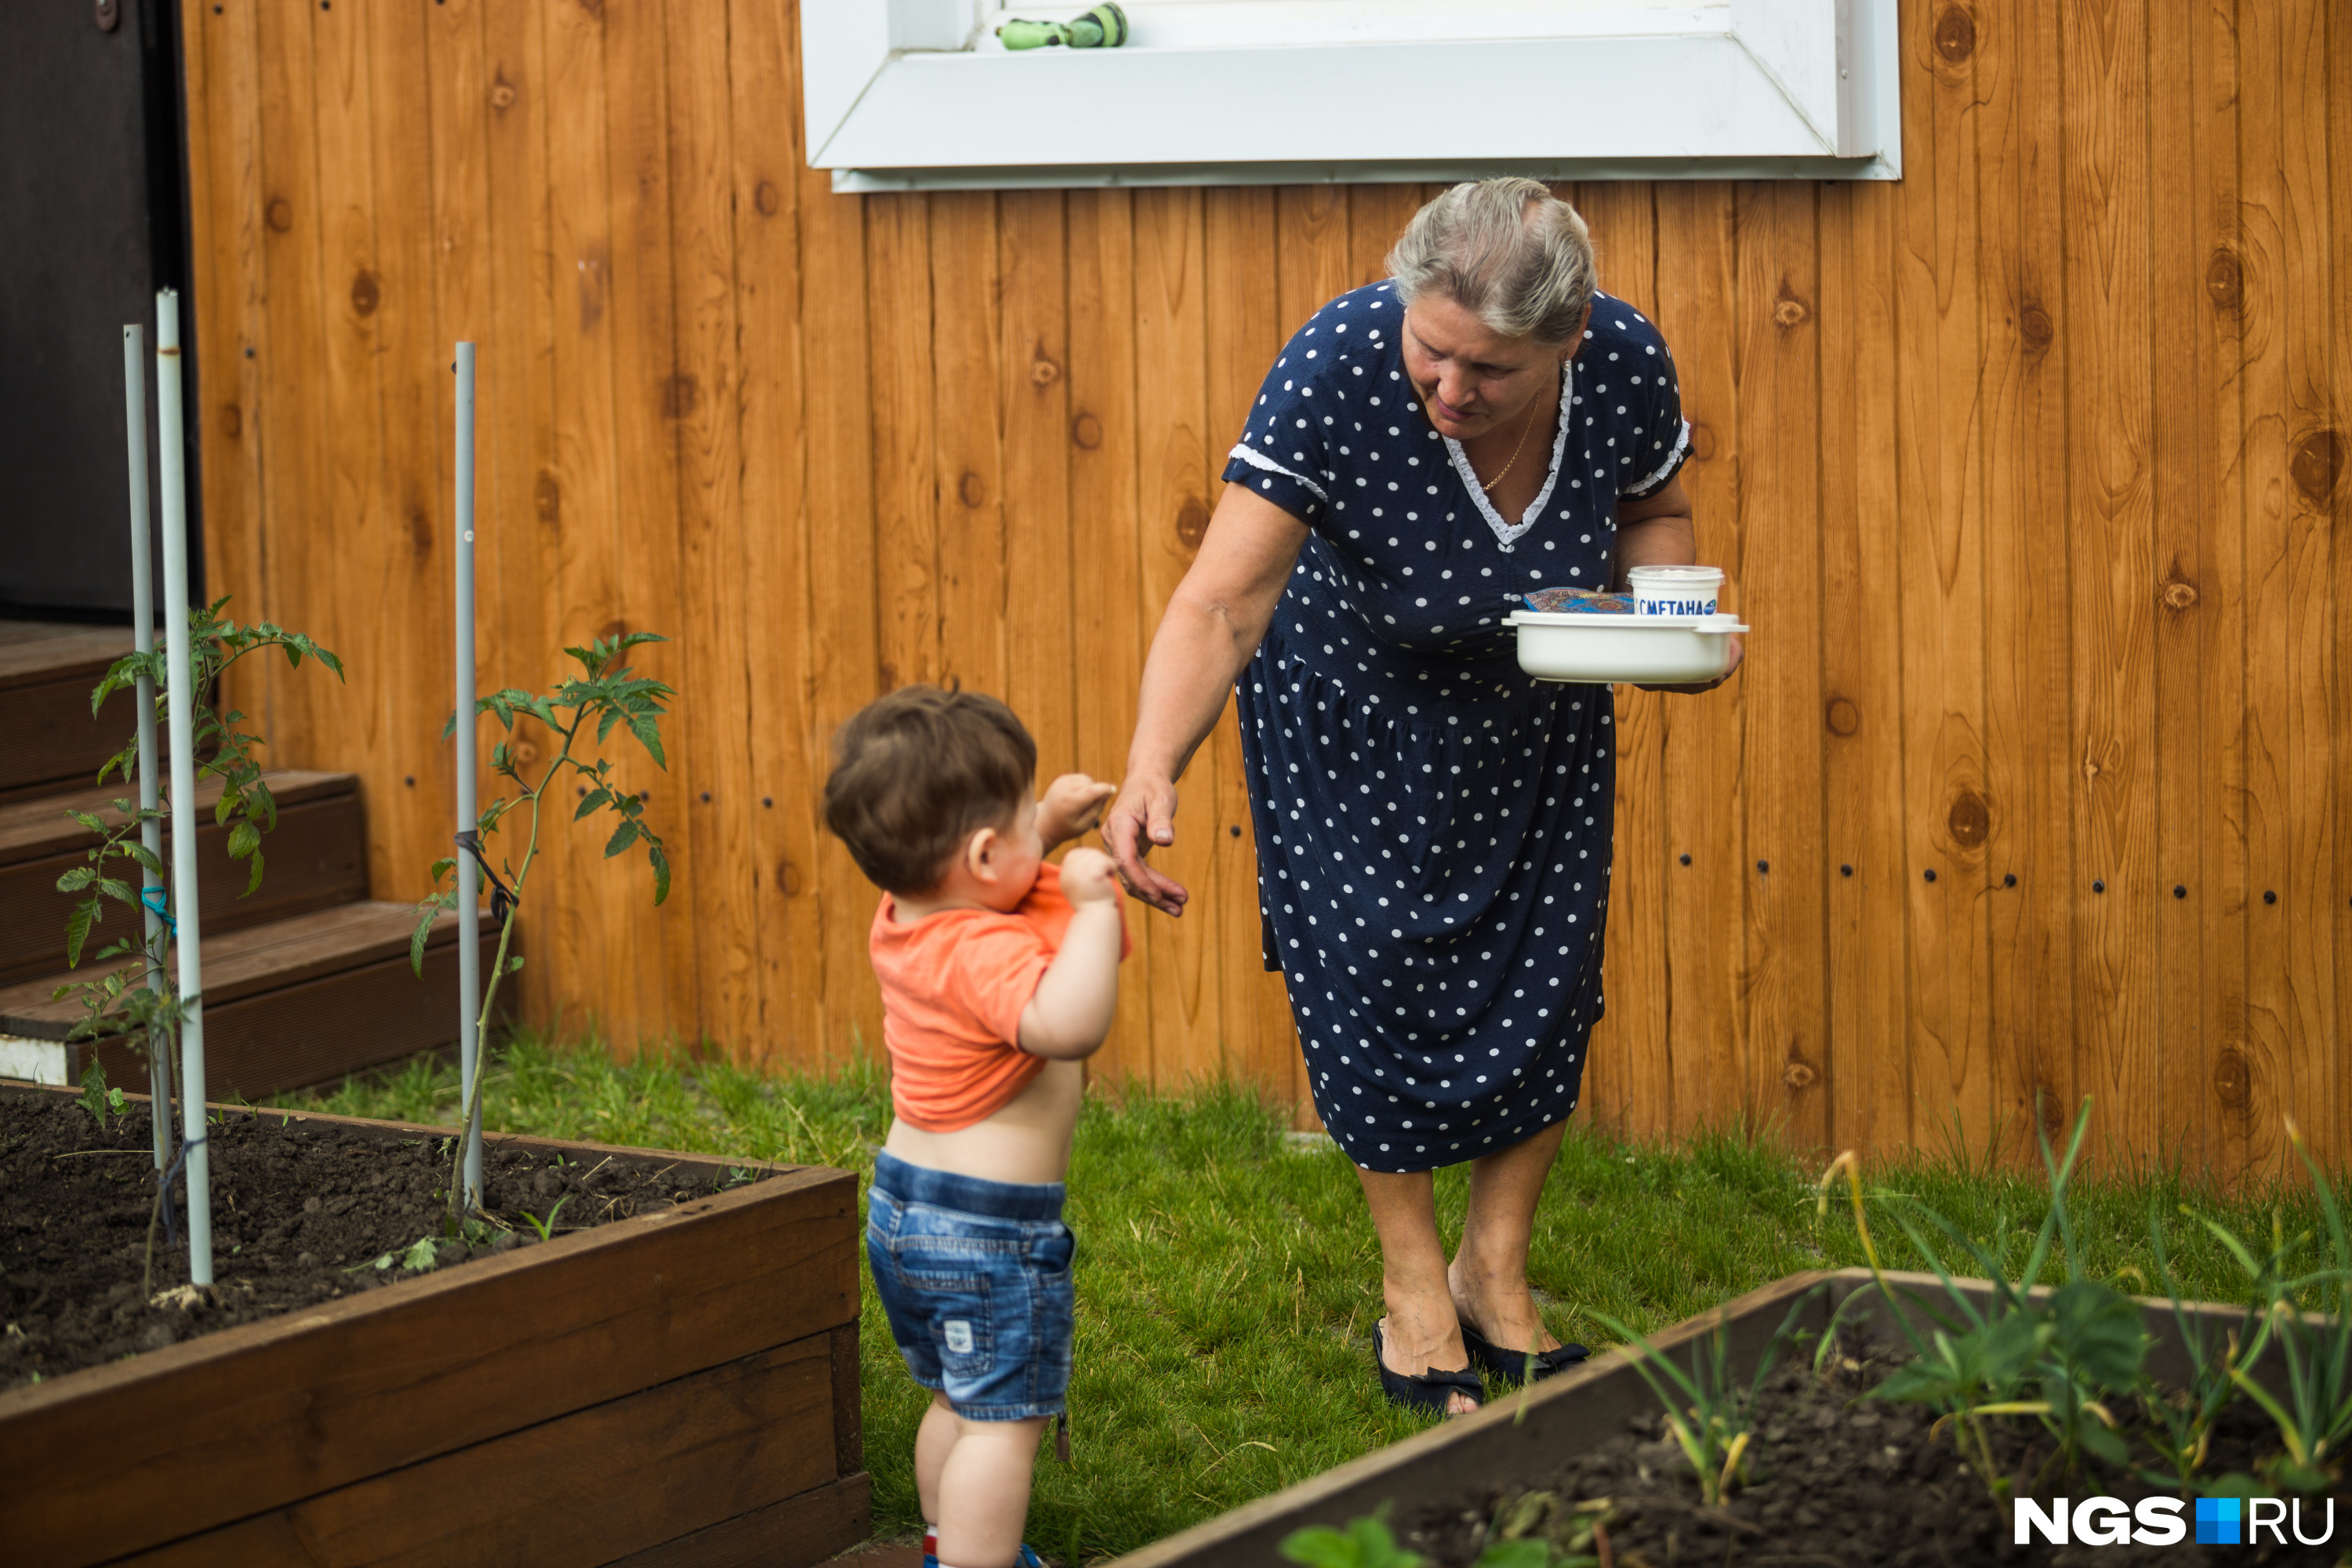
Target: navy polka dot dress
x=1432, y=826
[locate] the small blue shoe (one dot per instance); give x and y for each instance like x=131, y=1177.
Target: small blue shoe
x=1028, y=1558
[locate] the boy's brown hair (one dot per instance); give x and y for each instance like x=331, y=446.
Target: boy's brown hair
x=916, y=772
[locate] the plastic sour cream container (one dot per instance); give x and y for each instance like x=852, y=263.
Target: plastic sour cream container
x=1674, y=590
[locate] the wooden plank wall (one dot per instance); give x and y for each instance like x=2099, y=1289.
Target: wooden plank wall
x=2027, y=469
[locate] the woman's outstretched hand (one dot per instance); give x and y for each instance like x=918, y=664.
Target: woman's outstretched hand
x=1142, y=817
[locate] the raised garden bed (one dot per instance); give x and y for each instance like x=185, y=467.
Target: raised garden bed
x=677, y=1385
x=1833, y=1496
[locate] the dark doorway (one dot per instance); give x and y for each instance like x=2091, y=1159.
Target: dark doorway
x=92, y=204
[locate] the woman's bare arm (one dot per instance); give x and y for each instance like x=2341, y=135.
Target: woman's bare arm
x=1213, y=622
x=1656, y=530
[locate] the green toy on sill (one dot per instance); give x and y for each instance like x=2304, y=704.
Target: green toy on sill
x=1104, y=27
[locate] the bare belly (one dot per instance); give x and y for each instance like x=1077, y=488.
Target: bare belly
x=1026, y=1140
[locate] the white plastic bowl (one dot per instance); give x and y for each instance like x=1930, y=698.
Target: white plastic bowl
x=1596, y=649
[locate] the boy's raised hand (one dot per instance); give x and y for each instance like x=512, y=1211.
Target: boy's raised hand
x=1072, y=804
x=1087, y=877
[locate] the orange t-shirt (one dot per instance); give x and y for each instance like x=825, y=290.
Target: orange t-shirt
x=954, y=985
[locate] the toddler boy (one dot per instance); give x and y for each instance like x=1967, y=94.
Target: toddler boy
x=999, y=972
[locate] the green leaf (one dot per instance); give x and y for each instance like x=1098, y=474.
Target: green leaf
x=253, y=882
x=1366, y=1543
x=2098, y=1332
x=93, y=1091
x=145, y=859
x=661, y=873
x=93, y=824
x=514, y=963
x=594, y=800
x=243, y=840
x=427, y=912
x=623, y=837
x=119, y=891
x=644, y=728
x=422, y=1256
x=2100, y=1443
x=75, y=879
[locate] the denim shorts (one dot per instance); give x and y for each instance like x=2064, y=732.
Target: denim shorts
x=976, y=1278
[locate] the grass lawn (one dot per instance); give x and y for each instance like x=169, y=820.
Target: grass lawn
x=1227, y=1279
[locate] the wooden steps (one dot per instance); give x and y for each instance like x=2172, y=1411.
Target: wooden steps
x=317, y=857
x=305, y=982
x=288, y=1004
x=46, y=671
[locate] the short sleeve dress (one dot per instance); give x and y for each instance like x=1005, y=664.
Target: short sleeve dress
x=1434, y=825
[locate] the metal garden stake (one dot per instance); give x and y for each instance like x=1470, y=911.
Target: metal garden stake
x=180, y=700
x=470, y=910
x=151, y=831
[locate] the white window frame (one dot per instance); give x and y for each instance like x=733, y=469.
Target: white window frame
x=917, y=94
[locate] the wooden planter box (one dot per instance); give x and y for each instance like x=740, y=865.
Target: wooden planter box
x=678, y=1388
x=1521, y=1440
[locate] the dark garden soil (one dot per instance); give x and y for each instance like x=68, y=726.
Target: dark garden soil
x=1840, y=1482
x=301, y=1211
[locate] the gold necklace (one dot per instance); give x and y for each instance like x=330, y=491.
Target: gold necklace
x=1488, y=487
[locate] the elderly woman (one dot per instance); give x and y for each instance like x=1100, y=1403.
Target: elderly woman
x=1432, y=826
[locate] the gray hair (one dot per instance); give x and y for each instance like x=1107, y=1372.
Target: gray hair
x=1509, y=251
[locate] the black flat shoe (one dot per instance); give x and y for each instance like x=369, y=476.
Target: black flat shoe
x=1429, y=1391
x=1511, y=1367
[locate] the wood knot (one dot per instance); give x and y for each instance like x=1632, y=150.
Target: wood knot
x=680, y=394
x=2233, y=1083
x=971, y=490
x=2225, y=281
x=279, y=215
x=420, y=534
x=2035, y=328
x=1043, y=372
x=547, y=497
x=2319, y=457
x=766, y=198
x=1967, y=821
x=365, y=295
x=1799, y=1074
x=232, y=420
x=1956, y=35
x=1844, y=718
x=1788, y=310
x=2179, y=594
x=1191, y=522
x=788, y=878
x=1087, y=431
x=1702, y=439
x=2053, y=1114
x=502, y=93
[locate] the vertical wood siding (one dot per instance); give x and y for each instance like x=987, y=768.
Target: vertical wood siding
x=2027, y=469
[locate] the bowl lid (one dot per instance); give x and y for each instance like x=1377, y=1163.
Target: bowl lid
x=1719, y=622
